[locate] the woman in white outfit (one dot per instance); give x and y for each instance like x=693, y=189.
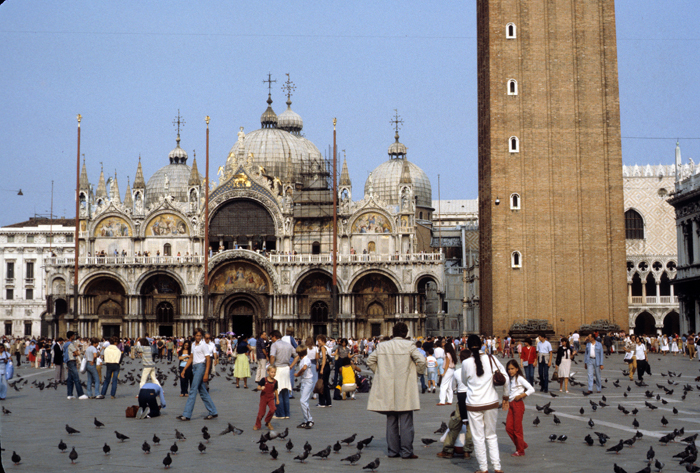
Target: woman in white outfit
x=664, y=345
x=446, y=388
x=482, y=403
x=312, y=352
x=674, y=345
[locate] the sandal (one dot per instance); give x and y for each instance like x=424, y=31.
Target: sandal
x=182, y=418
x=210, y=417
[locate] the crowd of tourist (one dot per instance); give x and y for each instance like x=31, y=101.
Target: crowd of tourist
x=331, y=370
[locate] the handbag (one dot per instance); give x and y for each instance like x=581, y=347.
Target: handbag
x=318, y=389
x=9, y=370
x=499, y=378
x=83, y=366
x=131, y=411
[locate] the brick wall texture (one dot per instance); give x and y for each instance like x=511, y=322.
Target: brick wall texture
x=568, y=171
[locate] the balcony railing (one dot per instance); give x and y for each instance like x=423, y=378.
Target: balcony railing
x=125, y=260
x=274, y=258
x=653, y=300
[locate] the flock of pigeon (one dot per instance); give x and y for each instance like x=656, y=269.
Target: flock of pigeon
x=686, y=458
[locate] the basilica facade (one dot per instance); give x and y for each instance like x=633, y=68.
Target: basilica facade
x=141, y=259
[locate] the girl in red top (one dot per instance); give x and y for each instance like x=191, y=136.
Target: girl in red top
x=528, y=358
x=269, y=398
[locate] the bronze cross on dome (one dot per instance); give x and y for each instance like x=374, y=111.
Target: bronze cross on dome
x=269, y=81
x=289, y=87
x=396, y=121
x=179, y=121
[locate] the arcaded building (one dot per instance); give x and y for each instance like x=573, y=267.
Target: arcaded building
x=141, y=263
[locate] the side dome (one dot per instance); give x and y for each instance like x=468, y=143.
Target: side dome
x=386, y=179
x=290, y=121
x=170, y=180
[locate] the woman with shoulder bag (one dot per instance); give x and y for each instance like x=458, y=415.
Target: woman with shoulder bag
x=481, y=373
x=324, y=371
x=563, y=364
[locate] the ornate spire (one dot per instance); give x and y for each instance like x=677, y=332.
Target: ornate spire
x=128, y=200
x=101, y=185
x=139, y=182
x=269, y=117
x=114, y=190
x=405, y=173
x=397, y=150
x=195, y=178
x=679, y=162
x=345, y=175
x=178, y=155
x=84, y=183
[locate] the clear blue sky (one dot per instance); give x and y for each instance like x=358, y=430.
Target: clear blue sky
x=128, y=67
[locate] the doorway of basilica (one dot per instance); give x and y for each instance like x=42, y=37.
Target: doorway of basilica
x=239, y=318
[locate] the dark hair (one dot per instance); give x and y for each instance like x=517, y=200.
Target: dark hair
x=189, y=345
x=196, y=331
x=474, y=345
x=464, y=354
x=276, y=334
x=429, y=351
x=515, y=364
x=321, y=337
x=528, y=340
x=450, y=349
x=419, y=344
x=400, y=330
x=143, y=342
x=346, y=361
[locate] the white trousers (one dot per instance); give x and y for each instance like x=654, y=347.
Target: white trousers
x=149, y=373
x=483, y=427
x=446, y=389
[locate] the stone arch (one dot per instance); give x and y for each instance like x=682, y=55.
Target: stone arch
x=672, y=323
x=427, y=275
x=353, y=283
x=237, y=193
x=372, y=286
x=87, y=282
x=644, y=324
x=56, y=284
x=103, y=221
x=105, y=296
x=365, y=214
x=313, y=287
x=156, y=288
x=428, y=295
x=242, y=312
x=220, y=259
x=138, y=285
x=309, y=272
x=161, y=213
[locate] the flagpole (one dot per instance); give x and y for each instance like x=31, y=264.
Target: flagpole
x=206, y=230
x=77, y=229
x=334, y=288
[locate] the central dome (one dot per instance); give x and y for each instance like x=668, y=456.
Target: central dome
x=278, y=147
x=171, y=179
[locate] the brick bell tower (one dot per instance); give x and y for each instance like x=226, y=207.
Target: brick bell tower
x=552, y=234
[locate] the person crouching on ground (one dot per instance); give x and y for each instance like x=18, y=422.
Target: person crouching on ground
x=148, y=401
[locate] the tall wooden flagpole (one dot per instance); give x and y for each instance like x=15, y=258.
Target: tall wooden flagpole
x=77, y=228
x=334, y=289
x=206, y=231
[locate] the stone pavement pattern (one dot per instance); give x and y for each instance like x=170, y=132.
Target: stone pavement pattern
x=38, y=418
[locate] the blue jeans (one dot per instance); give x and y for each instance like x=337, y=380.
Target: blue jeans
x=307, y=387
x=593, y=375
x=3, y=382
x=198, y=386
x=73, y=379
x=111, y=376
x=92, y=379
x=530, y=373
x=543, y=370
x=283, y=407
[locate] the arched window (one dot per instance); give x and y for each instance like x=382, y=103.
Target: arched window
x=513, y=144
x=167, y=250
x=515, y=202
x=315, y=248
x=512, y=87
x=516, y=260
x=634, y=225
x=510, y=31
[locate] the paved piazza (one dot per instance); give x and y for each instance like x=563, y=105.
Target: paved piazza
x=37, y=424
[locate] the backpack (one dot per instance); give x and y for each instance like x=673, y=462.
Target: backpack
x=66, y=351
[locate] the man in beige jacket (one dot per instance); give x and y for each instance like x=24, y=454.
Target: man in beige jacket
x=396, y=365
